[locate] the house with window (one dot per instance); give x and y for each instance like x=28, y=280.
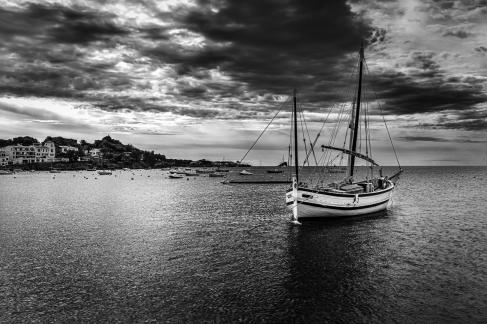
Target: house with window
x=66, y=148
x=96, y=153
x=36, y=153
x=3, y=157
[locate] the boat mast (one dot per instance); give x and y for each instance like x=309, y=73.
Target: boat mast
x=296, y=163
x=353, y=139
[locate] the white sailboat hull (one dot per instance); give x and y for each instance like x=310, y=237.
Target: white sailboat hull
x=313, y=204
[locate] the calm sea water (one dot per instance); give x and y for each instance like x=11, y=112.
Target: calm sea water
x=114, y=249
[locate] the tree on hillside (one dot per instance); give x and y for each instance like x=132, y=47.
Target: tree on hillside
x=109, y=144
x=22, y=140
x=58, y=140
x=4, y=143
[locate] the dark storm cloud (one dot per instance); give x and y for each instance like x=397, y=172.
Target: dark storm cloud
x=425, y=88
x=405, y=96
x=29, y=113
x=422, y=139
x=424, y=64
x=128, y=103
x=265, y=47
x=464, y=119
x=50, y=43
x=273, y=46
x=62, y=81
x=58, y=24
x=440, y=11
x=469, y=125
x=435, y=139
x=458, y=33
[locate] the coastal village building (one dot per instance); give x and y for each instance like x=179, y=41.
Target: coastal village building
x=37, y=153
x=19, y=154
x=3, y=157
x=66, y=148
x=95, y=153
x=52, y=149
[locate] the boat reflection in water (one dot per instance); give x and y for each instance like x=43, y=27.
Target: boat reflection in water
x=335, y=275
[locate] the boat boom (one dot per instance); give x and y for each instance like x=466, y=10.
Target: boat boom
x=349, y=152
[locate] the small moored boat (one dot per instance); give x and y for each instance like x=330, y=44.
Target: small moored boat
x=274, y=171
x=217, y=175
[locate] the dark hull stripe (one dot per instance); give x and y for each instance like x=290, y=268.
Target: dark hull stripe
x=343, y=194
x=338, y=207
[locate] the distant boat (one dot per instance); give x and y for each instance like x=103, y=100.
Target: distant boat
x=104, y=172
x=175, y=176
x=177, y=171
x=90, y=169
x=274, y=171
x=191, y=173
x=205, y=171
x=336, y=169
x=245, y=172
x=54, y=171
x=217, y=175
x=5, y=172
x=222, y=170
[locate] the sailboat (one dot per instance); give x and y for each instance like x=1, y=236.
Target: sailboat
x=350, y=197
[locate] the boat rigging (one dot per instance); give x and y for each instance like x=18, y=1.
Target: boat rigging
x=312, y=198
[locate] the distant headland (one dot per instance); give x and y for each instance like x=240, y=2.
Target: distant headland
x=26, y=152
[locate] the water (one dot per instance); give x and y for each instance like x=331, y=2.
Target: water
x=114, y=249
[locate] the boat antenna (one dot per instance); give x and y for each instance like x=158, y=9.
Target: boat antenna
x=296, y=163
x=353, y=142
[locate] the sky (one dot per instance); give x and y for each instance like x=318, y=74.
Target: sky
x=201, y=78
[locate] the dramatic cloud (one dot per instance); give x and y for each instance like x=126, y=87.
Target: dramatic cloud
x=58, y=24
x=435, y=139
x=197, y=61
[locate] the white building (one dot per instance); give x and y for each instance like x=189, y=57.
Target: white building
x=3, y=157
x=96, y=153
x=37, y=153
x=52, y=149
x=66, y=148
x=19, y=154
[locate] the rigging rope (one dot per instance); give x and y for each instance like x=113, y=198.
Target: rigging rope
x=304, y=138
x=262, y=133
x=383, y=118
x=309, y=139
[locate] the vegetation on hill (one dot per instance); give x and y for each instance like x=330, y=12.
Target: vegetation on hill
x=114, y=154
x=61, y=141
x=23, y=140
